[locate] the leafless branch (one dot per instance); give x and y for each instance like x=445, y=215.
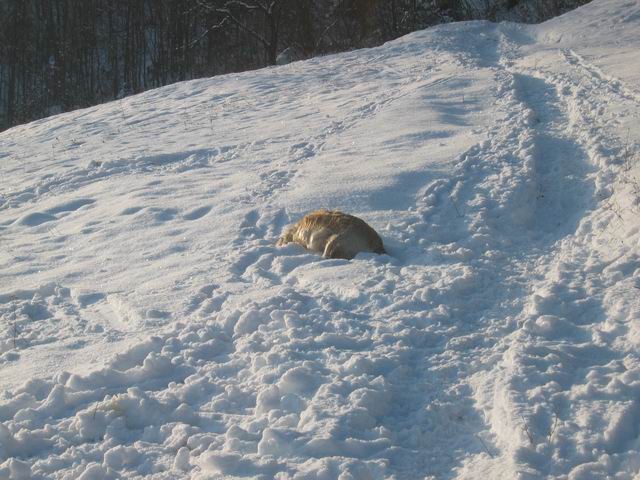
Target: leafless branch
x=484, y=445
x=207, y=31
x=553, y=428
x=526, y=429
x=243, y=26
x=324, y=32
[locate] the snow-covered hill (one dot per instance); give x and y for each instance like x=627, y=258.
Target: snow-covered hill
x=151, y=328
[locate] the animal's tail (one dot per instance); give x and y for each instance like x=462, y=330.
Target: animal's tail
x=287, y=237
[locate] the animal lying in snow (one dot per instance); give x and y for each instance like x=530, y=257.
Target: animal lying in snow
x=334, y=234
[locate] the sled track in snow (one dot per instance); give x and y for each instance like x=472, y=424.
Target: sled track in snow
x=611, y=84
x=561, y=326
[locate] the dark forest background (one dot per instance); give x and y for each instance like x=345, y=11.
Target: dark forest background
x=59, y=55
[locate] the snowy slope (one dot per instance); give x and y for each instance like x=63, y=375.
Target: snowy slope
x=150, y=327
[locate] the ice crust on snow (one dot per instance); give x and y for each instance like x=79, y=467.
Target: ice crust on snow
x=150, y=328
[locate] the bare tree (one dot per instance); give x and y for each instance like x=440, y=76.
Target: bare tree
x=260, y=19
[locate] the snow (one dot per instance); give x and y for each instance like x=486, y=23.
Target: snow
x=150, y=328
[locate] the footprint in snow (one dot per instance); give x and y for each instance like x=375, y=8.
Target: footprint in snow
x=197, y=213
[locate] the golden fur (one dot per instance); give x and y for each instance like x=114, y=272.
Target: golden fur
x=334, y=234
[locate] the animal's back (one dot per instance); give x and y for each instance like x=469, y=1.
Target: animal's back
x=334, y=234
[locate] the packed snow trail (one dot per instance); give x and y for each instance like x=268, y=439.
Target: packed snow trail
x=163, y=335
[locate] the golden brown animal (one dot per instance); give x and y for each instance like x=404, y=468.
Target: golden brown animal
x=334, y=234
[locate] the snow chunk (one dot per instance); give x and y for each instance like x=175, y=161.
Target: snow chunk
x=297, y=380
x=376, y=402
x=248, y=322
x=551, y=326
x=119, y=457
x=93, y=471
x=268, y=399
x=182, y=462
x=15, y=469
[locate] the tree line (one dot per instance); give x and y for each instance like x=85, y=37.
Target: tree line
x=59, y=55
